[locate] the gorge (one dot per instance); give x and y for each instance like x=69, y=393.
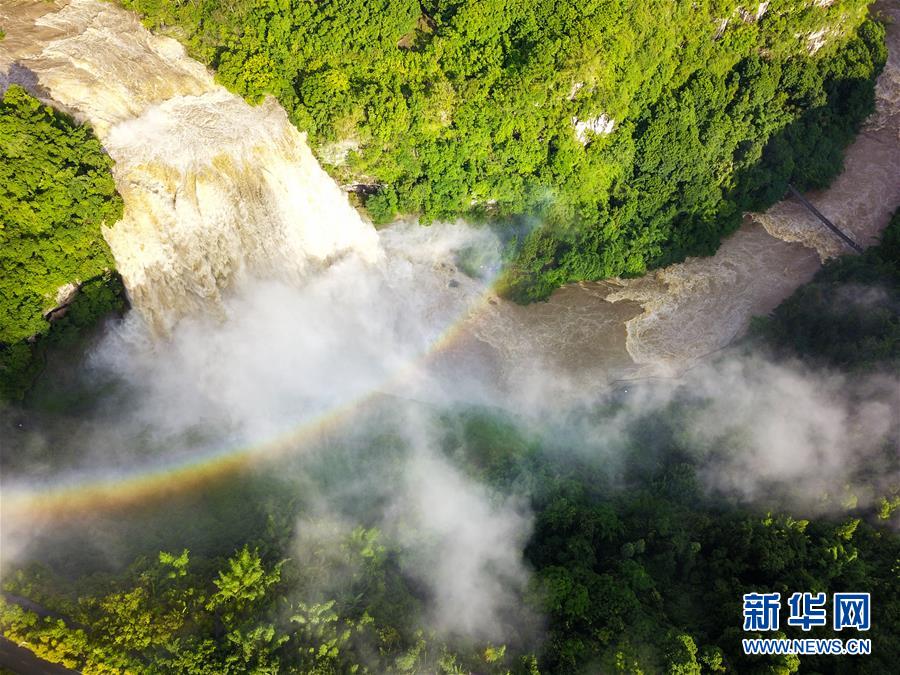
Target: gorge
x=313, y=445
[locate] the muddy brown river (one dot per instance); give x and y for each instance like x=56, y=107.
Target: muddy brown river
x=664, y=321
x=97, y=62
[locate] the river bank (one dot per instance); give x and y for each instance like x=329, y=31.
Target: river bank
x=659, y=324
x=594, y=332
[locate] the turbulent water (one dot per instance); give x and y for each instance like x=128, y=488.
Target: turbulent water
x=213, y=188
x=661, y=322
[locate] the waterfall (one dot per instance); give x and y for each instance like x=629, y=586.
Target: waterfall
x=214, y=189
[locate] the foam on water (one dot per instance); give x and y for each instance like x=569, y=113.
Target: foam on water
x=214, y=189
x=699, y=306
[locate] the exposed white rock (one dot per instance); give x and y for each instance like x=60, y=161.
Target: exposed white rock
x=720, y=29
x=752, y=17
x=817, y=39
x=65, y=294
x=595, y=126
x=576, y=87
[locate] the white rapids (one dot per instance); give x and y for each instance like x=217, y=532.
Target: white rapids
x=663, y=322
x=213, y=188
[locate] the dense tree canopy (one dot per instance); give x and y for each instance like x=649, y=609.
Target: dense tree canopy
x=641, y=577
x=637, y=567
x=56, y=191
x=467, y=108
x=849, y=315
x=608, y=136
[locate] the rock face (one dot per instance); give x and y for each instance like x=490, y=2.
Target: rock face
x=863, y=197
x=596, y=126
x=213, y=187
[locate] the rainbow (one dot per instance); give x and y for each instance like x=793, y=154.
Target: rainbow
x=76, y=495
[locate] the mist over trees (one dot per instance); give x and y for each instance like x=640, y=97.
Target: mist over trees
x=638, y=551
x=602, y=138
x=599, y=139
x=608, y=136
x=849, y=315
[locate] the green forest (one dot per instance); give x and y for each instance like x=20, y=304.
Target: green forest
x=598, y=138
x=56, y=192
x=477, y=109
x=636, y=566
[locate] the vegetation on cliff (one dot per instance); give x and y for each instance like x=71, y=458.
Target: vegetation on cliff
x=467, y=108
x=642, y=578
x=605, y=136
x=56, y=192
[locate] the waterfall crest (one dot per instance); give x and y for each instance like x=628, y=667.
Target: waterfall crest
x=214, y=188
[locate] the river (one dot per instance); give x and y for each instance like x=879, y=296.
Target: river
x=214, y=189
x=275, y=313
x=662, y=322
x=211, y=192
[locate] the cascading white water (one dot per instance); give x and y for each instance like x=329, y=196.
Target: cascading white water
x=214, y=188
x=207, y=200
